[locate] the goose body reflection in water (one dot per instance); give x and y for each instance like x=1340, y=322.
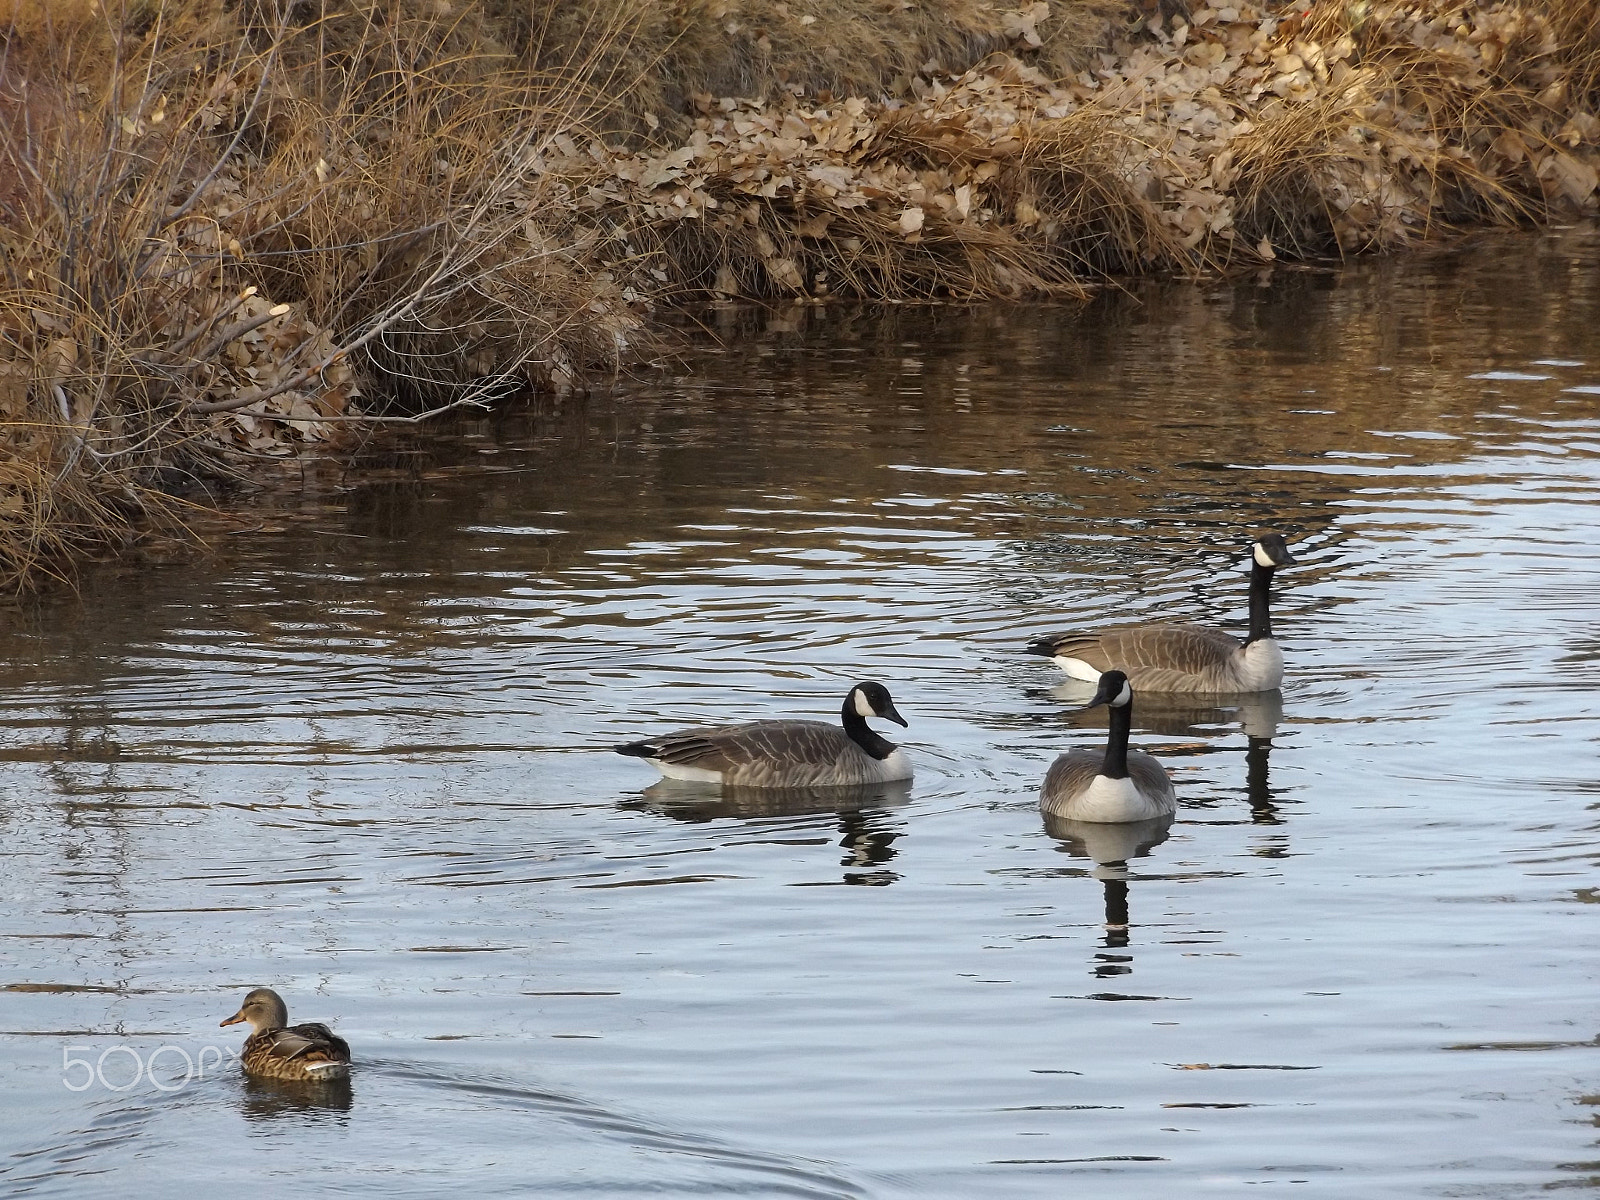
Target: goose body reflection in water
x=1257, y=784
x=865, y=819
x=785, y=754
x=1110, y=846
x=1257, y=714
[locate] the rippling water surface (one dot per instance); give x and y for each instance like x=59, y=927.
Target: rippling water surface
x=361, y=754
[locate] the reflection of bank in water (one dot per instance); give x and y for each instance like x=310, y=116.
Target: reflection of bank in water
x=1110, y=847
x=867, y=825
x=1257, y=716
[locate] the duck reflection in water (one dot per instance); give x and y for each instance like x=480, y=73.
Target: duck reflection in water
x=1109, y=847
x=265, y=1100
x=867, y=826
x=1256, y=715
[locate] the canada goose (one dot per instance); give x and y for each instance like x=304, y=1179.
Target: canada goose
x=1185, y=658
x=779, y=754
x=277, y=1050
x=1119, y=785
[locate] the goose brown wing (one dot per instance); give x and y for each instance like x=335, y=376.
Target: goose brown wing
x=728, y=748
x=1069, y=775
x=1150, y=777
x=1188, y=649
x=690, y=747
x=1176, y=650
x=793, y=743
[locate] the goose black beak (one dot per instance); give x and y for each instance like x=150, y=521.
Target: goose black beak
x=1101, y=696
x=893, y=714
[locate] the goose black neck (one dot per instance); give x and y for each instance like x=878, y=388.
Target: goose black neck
x=1260, y=594
x=1115, y=765
x=861, y=733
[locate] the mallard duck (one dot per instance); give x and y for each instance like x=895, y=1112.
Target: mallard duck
x=1118, y=785
x=277, y=1050
x=774, y=754
x=1185, y=658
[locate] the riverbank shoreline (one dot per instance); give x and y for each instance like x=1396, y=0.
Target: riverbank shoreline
x=229, y=244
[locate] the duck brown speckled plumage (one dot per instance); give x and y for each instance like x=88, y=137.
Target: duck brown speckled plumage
x=277, y=1050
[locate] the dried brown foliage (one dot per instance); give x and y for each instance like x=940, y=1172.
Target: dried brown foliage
x=654, y=57
x=1228, y=137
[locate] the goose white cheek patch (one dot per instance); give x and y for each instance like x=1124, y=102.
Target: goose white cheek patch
x=863, y=708
x=1262, y=558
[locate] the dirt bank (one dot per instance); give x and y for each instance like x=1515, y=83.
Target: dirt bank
x=238, y=233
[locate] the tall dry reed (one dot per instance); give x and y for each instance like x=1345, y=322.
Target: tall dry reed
x=219, y=220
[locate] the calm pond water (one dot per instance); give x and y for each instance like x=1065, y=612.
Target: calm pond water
x=361, y=755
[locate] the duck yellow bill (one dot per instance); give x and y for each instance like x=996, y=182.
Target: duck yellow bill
x=233, y=1020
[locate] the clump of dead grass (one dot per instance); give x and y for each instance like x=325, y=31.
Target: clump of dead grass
x=1386, y=123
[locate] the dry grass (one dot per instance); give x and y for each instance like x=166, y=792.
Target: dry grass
x=1091, y=212
x=1577, y=29
x=214, y=228
x=29, y=18
x=1283, y=167
x=1486, y=109
x=402, y=216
